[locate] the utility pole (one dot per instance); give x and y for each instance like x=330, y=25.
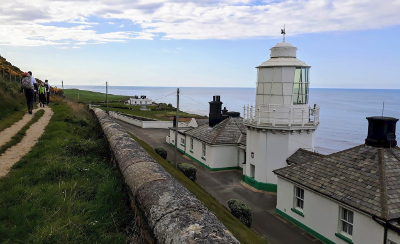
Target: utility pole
x=107, y=96
x=176, y=126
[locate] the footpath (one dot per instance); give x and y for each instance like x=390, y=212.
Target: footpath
x=224, y=185
x=15, y=153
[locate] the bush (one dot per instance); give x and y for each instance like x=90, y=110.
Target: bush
x=161, y=151
x=241, y=211
x=188, y=170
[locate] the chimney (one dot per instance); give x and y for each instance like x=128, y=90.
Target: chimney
x=381, y=132
x=215, y=115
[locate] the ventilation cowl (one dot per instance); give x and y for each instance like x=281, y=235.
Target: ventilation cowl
x=381, y=132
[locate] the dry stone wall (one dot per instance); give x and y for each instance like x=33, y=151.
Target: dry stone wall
x=173, y=214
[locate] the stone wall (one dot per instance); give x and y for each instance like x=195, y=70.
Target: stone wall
x=172, y=213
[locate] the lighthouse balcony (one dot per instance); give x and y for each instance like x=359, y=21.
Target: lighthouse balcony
x=282, y=115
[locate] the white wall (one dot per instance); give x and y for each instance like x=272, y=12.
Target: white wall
x=180, y=136
x=197, y=150
x=271, y=149
x=145, y=124
x=224, y=156
x=322, y=215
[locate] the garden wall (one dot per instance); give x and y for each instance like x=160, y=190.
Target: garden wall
x=173, y=214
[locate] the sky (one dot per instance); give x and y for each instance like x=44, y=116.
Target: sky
x=201, y=43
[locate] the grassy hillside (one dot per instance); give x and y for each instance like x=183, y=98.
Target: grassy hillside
x=89, y=96
x=12, y=103
x=65, y=190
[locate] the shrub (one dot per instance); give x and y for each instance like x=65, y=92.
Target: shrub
x=188, y=170
x=161, y=151
x=241, y=211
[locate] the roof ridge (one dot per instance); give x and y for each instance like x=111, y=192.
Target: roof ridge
x=382, y=185
x=313, y=152
x=220, y=131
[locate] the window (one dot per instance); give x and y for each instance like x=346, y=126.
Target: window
x=191, y=144
x=300, y=86
x=204, y=149
x=298, y=197
x=346, y=221
x=183, y=140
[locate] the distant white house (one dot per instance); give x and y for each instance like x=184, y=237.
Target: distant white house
x=351, y=196
x=136, y=100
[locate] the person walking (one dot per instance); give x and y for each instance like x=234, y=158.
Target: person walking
x=42, y=95
x=27, y=85
x=47, y=87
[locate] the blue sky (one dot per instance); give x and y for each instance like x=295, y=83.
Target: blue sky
x=349, y=44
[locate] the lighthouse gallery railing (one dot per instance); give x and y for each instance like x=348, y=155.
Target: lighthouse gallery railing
x=282, y=115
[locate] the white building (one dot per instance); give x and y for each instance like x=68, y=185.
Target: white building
x=136, y=100
x=216, y=145
x=281, y=121
x=352, y=196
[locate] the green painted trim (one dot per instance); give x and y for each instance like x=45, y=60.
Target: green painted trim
x=183, y=145
x=298, y=212
x=344, y=238
x=304, y=227
x=180, y=150
x=191, y=151
x=260, y=185
x=207, y=167
x=203, y=158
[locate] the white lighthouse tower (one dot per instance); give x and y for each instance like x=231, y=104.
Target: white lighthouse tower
x=281, y=121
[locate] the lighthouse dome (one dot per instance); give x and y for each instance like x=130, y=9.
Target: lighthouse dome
x=283, y=50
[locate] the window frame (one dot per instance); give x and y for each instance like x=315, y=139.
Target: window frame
x=191, y=143
x=343, y=220
x=183, y=140
x=298, y=198
x=203, y=146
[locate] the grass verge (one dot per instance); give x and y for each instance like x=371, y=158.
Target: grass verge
x=65, y=190
x=11, y=119
x=17, y=138
x=238, y=229
x=89, y=96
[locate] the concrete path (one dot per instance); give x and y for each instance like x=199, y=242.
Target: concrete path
x=224, y=185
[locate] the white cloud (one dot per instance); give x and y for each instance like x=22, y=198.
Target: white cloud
x=37, y=22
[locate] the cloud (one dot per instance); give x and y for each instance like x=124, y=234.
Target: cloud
x=33, y=23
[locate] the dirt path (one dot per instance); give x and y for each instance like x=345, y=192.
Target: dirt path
x=9, y=132
x=15, y=153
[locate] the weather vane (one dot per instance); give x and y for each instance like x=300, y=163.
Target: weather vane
x=283, y=32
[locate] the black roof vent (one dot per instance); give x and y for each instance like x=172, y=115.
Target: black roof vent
x=381, y=132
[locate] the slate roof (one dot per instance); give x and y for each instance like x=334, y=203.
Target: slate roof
x=301, y=156
x=228, y=131
x=364, y=177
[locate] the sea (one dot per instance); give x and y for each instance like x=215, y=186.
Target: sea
x=343, y=112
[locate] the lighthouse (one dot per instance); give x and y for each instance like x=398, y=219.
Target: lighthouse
x=282, y=121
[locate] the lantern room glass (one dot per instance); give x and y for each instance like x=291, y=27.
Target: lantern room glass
x=300, y=86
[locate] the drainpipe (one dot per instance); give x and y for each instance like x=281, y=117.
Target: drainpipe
x=385, y=232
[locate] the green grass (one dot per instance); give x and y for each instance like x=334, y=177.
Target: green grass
x=65, y=190
x=17, y=138
x=89, y=96
x=155, y=114
x=238, y=229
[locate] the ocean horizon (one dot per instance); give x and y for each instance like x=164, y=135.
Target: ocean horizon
x=343, y=111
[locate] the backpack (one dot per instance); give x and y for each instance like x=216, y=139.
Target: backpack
x=41, y=90
x=26, y=83
x=47, y=87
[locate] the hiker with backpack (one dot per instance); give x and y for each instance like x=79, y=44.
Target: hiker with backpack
x=42, y=95
x=28, y=86
x=47, y=87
